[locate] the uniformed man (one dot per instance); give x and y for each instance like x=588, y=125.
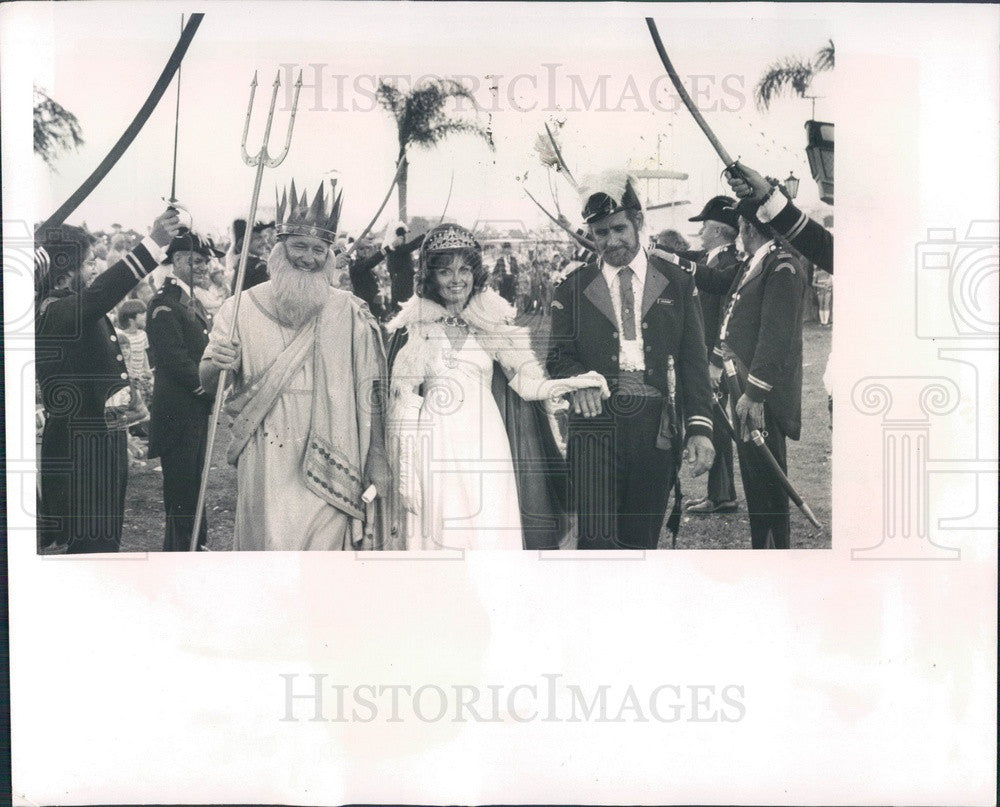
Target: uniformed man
x=771, y=206
x=178, y=328
x=717, y=266
x=506, y=274
x=762, y=333
x=256, y=265
x=81, y=370
x=629, y=315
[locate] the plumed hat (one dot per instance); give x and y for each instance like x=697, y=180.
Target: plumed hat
x=606, y=193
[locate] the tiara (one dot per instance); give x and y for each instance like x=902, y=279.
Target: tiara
x=449, y=236
x=308, y=219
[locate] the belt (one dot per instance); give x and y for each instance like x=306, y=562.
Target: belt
x=632, y=382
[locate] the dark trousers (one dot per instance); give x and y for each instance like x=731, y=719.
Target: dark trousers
x=619, y=480
x=182, y=465
x=84, y=474
x=401, y=283
x=507, y=288
x=767, y=501
x=721, y=477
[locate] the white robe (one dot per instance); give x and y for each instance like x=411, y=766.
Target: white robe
x=274, y=509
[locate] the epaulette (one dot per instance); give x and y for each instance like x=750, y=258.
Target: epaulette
x=675, y=260
x=780, y=258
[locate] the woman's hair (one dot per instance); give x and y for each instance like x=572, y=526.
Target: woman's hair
x=66, y=247
x=129, y=310
x=427, y=285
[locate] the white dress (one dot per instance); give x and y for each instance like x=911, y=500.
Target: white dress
x=450, y=448
x=468, y=488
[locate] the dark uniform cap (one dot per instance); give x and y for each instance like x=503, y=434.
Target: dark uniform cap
x=721, y=209
x=600, y=205
x=188, y=241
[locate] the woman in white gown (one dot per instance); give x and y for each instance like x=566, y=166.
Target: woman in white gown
x=452, y=459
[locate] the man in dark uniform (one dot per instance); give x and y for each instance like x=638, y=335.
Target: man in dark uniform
x=762, y=333
x=256, y=264
x=364, y=283
x=399, y=260
x=506, y=274
x=717, y=266
x=80, y=370
x=633, y=317
x=178, y=328
x=810, y=238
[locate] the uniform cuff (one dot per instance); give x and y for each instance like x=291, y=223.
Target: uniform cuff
x=158, y=253
x=144, y=258
x=772, y=206
x=757, y=390
x=699, y=424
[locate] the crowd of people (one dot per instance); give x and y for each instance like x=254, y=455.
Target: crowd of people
x=389, y=396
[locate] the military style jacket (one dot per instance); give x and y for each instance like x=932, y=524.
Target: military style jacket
x=762, y=326
x=178, y=327
x=79, y=361
x=810, y=238
x=585, y=334
x=714, y=279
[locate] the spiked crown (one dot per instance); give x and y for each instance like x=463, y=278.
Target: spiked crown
x=296, y=216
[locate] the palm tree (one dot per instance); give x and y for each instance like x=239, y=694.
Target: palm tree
x=794, y=73
x=55, y=127
x=421, y=119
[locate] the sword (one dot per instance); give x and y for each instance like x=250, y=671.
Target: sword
x=584, y=242
x=728, y=161
x=559, y=157
x=733, y=381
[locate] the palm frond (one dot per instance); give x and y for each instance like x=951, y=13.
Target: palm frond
x=55, y=128
x=824, y=57
x=390, y=98
x=788, y=73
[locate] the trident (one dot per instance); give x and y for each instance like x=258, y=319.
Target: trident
x=261, y=159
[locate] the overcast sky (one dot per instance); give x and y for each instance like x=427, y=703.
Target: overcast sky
x=546, y=63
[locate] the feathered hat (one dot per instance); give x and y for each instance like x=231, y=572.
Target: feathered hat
x=296, y=216
x=607, y=193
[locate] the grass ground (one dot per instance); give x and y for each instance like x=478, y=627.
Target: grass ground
x=808, y=459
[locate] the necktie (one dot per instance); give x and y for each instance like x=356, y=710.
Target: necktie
x=628, y=302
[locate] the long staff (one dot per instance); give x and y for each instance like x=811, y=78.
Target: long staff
x=260, y=160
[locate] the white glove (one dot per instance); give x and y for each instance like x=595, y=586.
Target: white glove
x=535, y=387
x=406, y=435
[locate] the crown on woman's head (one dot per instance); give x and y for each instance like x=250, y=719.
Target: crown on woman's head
x=308, y=219
x=449, y=236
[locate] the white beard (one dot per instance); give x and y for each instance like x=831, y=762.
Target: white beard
x=298, y=295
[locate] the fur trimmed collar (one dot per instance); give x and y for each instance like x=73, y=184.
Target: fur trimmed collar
x=487, y=311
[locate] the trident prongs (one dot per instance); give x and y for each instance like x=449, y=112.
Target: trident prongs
x=263, y=155
x=246, y=124
x=273, y=161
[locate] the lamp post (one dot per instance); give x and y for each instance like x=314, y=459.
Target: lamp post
x=792, y=185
